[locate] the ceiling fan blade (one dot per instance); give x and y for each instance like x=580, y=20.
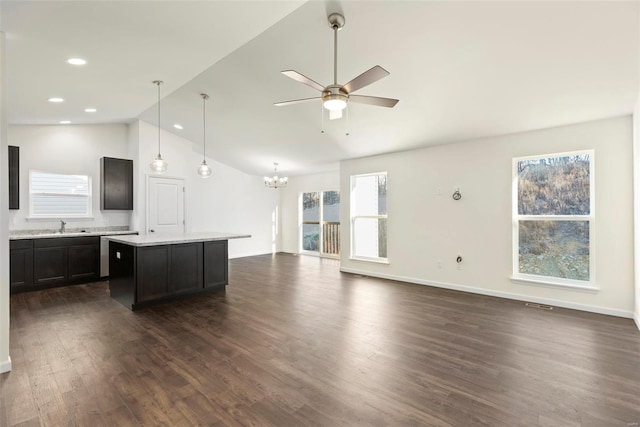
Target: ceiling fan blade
x=374, y=100
x=294, y=101
x=303, y=79
x=335, y=114
x=370, y=76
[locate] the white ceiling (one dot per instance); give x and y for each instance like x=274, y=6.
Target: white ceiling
x=461, y=70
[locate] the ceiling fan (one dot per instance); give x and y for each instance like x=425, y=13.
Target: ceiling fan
x=335, y=97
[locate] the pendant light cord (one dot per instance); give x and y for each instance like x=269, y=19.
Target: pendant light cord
x=158, y=83
x=204, y=127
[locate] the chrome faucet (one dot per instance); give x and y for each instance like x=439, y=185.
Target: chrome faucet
x=62, y=224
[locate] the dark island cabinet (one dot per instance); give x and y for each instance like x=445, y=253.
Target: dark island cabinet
x=44, y=263
x=116, y=184
x=216, y=263
x=143, y=275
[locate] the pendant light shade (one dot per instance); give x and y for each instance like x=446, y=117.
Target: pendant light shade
x=158, y=165
x=204, y=170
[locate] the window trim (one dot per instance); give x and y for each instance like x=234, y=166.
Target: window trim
x=88, y=196
x=534, y=279
x=353, y=217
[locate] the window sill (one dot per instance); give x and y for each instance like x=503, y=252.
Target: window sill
x=523, y=280
x=374, y=260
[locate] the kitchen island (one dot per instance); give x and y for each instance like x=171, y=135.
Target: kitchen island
x=149, y=269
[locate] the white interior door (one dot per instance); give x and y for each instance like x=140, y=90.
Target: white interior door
x=165, y=203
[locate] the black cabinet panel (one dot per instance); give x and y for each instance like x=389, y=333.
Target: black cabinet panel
x=84, y=262
x=215, y=263
x=43, y=263
x=14, y=177
x=50, y=265
x=116, y=184
x=186, y=267
x=152, y=272
x=122, y=273
x=21, y=263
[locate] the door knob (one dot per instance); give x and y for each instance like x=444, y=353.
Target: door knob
x=152, y=231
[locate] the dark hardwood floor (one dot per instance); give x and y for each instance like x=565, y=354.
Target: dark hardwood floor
x=293, y=342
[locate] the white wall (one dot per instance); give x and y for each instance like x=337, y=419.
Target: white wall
x=636, y=210
x=290, y=203
x=5, y=360
x=229, y=201
x=73, y=149
x=425, y=227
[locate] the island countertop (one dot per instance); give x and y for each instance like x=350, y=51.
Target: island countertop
x=157, y=240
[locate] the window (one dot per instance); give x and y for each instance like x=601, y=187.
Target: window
x=553, y=219
x=57, y=195
x=369, y=217
x=321, y=222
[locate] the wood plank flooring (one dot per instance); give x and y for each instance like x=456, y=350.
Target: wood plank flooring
x=294, y=342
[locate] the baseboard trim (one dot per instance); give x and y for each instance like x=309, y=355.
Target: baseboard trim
x=249, y=254
x=492, y=293
x=5, y=366
x=636, y=318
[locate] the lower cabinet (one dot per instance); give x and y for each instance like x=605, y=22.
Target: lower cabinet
x=168, y=270
x=42, y=263
x=21, y=264
x=143, y=275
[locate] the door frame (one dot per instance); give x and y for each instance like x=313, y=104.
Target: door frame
x=147, y=203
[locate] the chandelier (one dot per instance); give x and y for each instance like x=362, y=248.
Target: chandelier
x=275, y=181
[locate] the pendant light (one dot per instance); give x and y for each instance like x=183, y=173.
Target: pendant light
x=275, y=181
x=158, y=165
x=204, y=170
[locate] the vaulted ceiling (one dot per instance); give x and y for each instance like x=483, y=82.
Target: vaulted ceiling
x=461, y=70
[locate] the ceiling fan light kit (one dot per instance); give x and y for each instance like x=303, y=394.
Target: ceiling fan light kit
x=335, y=97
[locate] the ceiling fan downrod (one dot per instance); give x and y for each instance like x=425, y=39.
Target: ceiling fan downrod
x=336, y=22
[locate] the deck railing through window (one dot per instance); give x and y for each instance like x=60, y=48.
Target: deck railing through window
x=331, y=238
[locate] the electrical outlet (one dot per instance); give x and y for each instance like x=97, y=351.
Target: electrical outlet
x=439, y=264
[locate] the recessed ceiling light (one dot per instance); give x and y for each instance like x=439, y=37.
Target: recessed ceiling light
x=64, y=122
x=56, y=99
x=90, y=110
x=177, y=126
x=76, y=61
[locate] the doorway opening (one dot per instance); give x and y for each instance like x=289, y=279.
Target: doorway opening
x=320, y=231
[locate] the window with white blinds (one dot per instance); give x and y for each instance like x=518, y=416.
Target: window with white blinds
x=58, y=195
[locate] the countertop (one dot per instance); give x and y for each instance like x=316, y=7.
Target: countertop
x=156, y=240
x=24, y=236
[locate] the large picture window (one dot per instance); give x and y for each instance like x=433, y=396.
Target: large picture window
x=55, y=195
x=553, y=219
x=369, y=217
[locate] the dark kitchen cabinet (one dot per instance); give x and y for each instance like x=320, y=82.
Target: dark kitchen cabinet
x=21, y=263
x=14, y=177
x=43, y=263
x=216, y=263
x=116, y=184
x=168, y=270
x=140, y=276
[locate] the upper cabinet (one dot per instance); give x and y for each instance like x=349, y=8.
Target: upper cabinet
x=116, y=184
x=14, y=177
